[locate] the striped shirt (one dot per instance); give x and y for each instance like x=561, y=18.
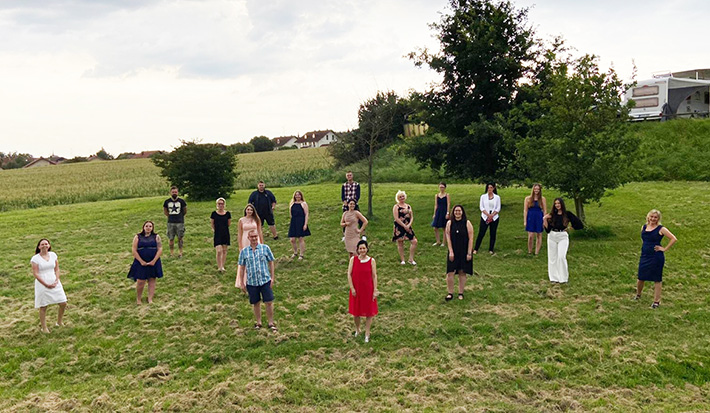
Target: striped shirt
x=257, y=264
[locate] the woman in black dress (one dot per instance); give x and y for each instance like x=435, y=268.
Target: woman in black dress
x=147, y=249
x=298, y=211
x=459, y=236
x=403, y=220
x=652, y=257
x=220, y=220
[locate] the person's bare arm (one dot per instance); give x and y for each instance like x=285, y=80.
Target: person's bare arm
x=469, y=251
x=273, y=274
x=447, y=234
x=160, y=250
x=375, y=293
x=165, y=212
x=305, y=211
x=350, y=277
x=448, y=204
x=212, y=224
x=525, y=210
x=134, y=251
x=436, y=198
x=672, y=240
x=362, y=218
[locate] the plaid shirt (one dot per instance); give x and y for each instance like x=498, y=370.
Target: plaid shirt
x=256, y=262
x=350, y=191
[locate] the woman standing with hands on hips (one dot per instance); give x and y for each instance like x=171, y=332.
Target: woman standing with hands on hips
x=459, y=235
x=490, y=208
x=362, y=277
x=533, y=211
x=403, y=220
x=442, y=204
x=556, y=223
x=652, y=257
x=147, y=249
x=48, y=288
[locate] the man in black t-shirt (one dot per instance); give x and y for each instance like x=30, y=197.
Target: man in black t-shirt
x=175, y=209
x=264, y=202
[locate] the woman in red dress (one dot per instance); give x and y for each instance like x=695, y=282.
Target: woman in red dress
x=362, y=277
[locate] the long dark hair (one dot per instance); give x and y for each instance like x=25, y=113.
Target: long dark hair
x=253, y=209
x=143, y=229
x=463, y=213
x=495, y=189
x=39, y=242
x=553, y=211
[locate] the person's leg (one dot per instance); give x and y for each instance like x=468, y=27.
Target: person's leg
x=657, y=292
x=302, y=242
x=450, y=282
x=639, y=288
x=482, y=227
x=368, y=323
x=294, y=243
x=172, y=245
x=357, y=324
x=462, y=281
x=272, y=228
x=140, y=284
x=180, y=244
x=531, y=236
x=436, y=234
x=552, y=257
x=270, y=312
x=257, y=312
x=225, y=248
x=60, y=314
x=538, y=243
x=43, y=319
x=400, y=248
x=562, y=248
x=218, y=256
x=492, y=239
x=151, y=289
x=412, y=249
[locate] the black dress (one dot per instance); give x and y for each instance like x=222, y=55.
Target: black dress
x=221, y=228
x=459, y=243
x=405, y=215
x=652, y=261
x=298, y=219
x=439, y=220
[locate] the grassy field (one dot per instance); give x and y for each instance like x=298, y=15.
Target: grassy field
x=516, y=343
x=284, y=168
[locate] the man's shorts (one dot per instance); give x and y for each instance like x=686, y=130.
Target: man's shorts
x=176, y=228
x=269, y=218
x=259, y=293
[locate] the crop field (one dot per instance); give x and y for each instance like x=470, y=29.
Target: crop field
x=283, y=168
x=516, y=343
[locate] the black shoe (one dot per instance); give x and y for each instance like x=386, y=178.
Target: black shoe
x=449, y=297
x=460, y=296
x=655, y=305
x=276, y=238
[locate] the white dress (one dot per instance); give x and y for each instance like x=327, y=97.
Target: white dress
x=45, y=296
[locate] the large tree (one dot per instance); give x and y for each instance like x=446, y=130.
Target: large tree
x=579, y=144
x=486, y=50
x=262, y=144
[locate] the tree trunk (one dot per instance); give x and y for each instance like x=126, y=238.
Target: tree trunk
x=579, y=207
x=369, y=184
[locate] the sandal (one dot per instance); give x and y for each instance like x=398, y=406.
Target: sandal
x=637, y=297
x=655, y=304
x=460, y=296
x=273, y=328
x=449, y=297
x=257, y=326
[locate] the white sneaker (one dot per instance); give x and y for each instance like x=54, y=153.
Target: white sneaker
x=402, y=263
x=342, y=239
x=364, y=238
x=435, y=244
x=413, y=262
x=367, y=339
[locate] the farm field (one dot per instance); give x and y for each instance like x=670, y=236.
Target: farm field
x=283, y=168
x=516, y=343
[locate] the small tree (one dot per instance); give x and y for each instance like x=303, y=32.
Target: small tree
x=102, y=154
x=262, y=144
x=579, y=143
x=237, y=148
x=202, y=171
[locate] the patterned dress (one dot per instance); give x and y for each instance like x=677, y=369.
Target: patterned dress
x=405, y=215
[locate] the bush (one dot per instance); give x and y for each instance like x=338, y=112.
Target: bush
x=202, y=171
x=262, y=144
x=237, y=148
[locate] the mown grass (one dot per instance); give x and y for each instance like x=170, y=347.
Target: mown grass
x=516, y=343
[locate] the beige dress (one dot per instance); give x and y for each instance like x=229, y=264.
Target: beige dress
x=351, y=235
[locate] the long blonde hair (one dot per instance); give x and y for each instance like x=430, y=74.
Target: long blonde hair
x=531, y=200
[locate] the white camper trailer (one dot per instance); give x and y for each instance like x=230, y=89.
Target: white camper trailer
x=669, y=97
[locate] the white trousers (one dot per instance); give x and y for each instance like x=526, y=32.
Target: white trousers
x=557, y=246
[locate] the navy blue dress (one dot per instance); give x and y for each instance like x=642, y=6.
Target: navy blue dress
x=147, y=248
x=298, y=219
x=440, y=213
x=534, y=222
x=651, y=262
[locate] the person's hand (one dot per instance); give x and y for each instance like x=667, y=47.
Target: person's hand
x=150, y=264
x=469, y=257
x=375, y=294
x=359, y=231
x=271, y=284
x=243, y=287
x=547, y=216
x=659, y=248
x=52, y=285
x=451, y=256
x=447, y=215
x=305, y=227
x=143, y=263
x=352, y=291
x=434, y=216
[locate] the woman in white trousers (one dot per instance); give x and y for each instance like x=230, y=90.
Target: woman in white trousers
x=556, y=223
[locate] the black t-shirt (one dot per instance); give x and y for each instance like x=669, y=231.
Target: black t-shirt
x=176, y=210
x=262, y=202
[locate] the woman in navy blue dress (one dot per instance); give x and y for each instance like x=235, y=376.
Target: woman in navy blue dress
x=652, y=257
x=298, y=210
x=535, y=203
x=147, y=249
x=442, y=203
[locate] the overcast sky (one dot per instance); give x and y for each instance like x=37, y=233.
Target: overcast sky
x=78, y=75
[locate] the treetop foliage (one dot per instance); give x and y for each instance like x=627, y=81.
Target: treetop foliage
x=262, y=144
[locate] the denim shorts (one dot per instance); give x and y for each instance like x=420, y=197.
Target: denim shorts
x=260, y=292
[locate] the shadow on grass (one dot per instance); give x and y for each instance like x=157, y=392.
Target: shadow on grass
x=597, y=232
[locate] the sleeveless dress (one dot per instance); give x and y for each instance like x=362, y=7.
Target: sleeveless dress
x=440, y=213
x=534, y=222
x=459, y=243
x=651, y=262
x=362, y=305
x=45, y=296
x=351, y=235
x=298, y=218
x=247, y=225
x=147, y=248
x=405, y=215
x=221, y=228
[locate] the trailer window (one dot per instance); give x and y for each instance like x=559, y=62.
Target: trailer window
x=707, y=98
x=646, y=102
x=644, y=91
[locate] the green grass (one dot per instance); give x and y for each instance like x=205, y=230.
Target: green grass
x=516, y=343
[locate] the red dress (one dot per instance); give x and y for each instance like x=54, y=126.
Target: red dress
x=362, y=305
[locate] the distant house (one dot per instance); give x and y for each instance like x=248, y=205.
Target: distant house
x=93, y=158
x=144, y=154
x=40, y=162
x=57, y=159
x=316, y=139
x=283, y=141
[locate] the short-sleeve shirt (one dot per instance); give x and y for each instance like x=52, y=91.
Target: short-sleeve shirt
x=176, y=210
x=262, y=201
x=257, y=264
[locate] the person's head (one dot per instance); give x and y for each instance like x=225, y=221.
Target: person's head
x=43, y=245
x=147, y=228
x=174, y=192
x=362, y=247
x=250, y=211
x=221, y=203
x=400, y=197
x=253, y=236
x=261, y=186
x=458, y=213
x=653, y=217
x=352, y=204
x=442, y=186
x=535, y=193
x=297, y=197
x=349, y=176
x=558, y=207
x=491, y=188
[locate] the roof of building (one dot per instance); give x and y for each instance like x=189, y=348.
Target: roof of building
x=281, y=140
x=314, y=136
x=34, y=161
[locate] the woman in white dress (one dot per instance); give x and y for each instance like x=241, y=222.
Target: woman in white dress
x=48, y=288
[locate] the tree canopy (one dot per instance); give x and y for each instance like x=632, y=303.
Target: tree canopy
x=262, y=144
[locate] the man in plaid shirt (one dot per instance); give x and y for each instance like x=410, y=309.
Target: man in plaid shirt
x=258, y=261
x=350, y=190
